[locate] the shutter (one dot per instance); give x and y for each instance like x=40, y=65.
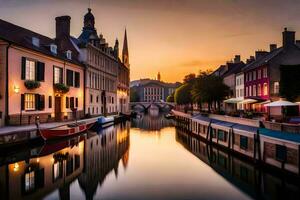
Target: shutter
x=67, y=102
x=39, y=178
x=41, y=102
x=23, y=70
x=40, y=71
x=22, y=101
x=61, y=75
x=77, y=79
x=37, y=102
x=69, y=77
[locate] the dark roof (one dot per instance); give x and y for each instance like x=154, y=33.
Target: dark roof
x=23, y=37
x=143, y=82
x=250, y=129
x=263, y=60
x=234, y=68
x=280, y=135
x=202, y=118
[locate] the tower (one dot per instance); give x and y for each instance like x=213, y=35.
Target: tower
x=89, y=20
x=158, y=76
x=116, y=49
x=125, y=53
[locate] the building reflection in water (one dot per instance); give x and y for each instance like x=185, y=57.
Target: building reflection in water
x=37, y=172
x=153, y=121
x=252, y=180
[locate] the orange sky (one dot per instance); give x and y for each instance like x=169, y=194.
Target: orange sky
x=175, y=37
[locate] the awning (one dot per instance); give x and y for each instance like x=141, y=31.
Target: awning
x=233, y=100
x=281, y=103
x=246, y=101
x=264, y=102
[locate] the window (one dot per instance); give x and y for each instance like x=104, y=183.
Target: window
x=241, y=92
x=265, y=73
x=76, y=102
x=50, y=102
x=259, y=90
x=35, y=41
x=243, y=142
x=250, y=76
x=58, y=75
x=29, y=181
x=250, y=90
x=57, y=171
x=259, y=74
x=281, y=153
x=222, y=135
x=247, y=91
x=29, y=101
x=53, y=48
x=254, y=75
x=70, y=79
x=72, y=102
x=254, y=90
x=91, y=98
x=30, y=70
x=69, y=54
x=276, y=87
x=97, y=99
x=265, y=89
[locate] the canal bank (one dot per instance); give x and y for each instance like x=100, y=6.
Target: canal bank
x=269, y=147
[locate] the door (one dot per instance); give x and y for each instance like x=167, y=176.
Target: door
x=58, y=109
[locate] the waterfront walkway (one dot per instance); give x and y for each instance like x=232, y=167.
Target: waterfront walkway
x=32, y=127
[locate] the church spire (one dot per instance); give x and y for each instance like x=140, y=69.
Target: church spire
x=125, y=53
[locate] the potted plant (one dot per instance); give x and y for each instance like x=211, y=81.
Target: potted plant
x=32, y=84
x=61, y=88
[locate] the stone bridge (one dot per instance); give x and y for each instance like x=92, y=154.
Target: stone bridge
x=147, y=105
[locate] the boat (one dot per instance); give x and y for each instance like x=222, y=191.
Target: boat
x=64, y=131
x=105, y=121
x=169, y=116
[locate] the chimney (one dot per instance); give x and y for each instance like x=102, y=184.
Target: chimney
x=250, y=59
x=260, y=53
x=273, y=47
x=237, y=59
x=62, y=26
x=288, y=38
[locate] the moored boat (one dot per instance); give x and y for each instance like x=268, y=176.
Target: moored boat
x=64, y=131
x=105, y=121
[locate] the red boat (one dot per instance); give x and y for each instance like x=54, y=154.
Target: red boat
x=64, y=131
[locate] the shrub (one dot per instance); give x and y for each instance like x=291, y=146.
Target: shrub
x=30, y=84
x=61, y=88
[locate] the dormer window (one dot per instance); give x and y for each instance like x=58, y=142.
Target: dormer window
x=53, y=48
x=36, y=41
x=69, y=54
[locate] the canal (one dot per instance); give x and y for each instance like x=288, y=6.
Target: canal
x=145, y=159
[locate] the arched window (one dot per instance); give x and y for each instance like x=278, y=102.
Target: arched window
x=265, y=89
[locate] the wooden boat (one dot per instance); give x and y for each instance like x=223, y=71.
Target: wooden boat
x=64, y=131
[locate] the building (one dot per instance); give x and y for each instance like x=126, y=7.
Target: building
x=123, y=79
x=263, y=76
x=101, y=63
x=40, y=76
x=150, y=90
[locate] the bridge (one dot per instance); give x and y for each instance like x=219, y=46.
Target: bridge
x=162, y=106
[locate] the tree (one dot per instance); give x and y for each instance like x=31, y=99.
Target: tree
x=170, y=98
x=182, y=94
x=134, y=96
x=189, y=78
x=208, y=89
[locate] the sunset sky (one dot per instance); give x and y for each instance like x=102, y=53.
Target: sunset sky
x=175, y=37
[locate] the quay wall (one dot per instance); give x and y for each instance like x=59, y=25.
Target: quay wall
x=280, y=150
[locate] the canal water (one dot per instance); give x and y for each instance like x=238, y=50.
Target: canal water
x=145, y=159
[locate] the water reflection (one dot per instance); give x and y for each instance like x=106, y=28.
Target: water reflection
x=153, y=121
x=256, y=182
x=52, y=168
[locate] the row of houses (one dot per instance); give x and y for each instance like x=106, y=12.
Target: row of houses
x=61, y=78
x=257, y=81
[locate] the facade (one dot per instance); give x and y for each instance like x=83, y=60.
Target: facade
x=40, y=76
x=262, y=77
x=101, y=64
x=150, y=90
x=239, y=90
x=123, y=79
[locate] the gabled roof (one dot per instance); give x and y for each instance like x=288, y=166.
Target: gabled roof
x=23, y=37
x=263, y=60
x=234, y=68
